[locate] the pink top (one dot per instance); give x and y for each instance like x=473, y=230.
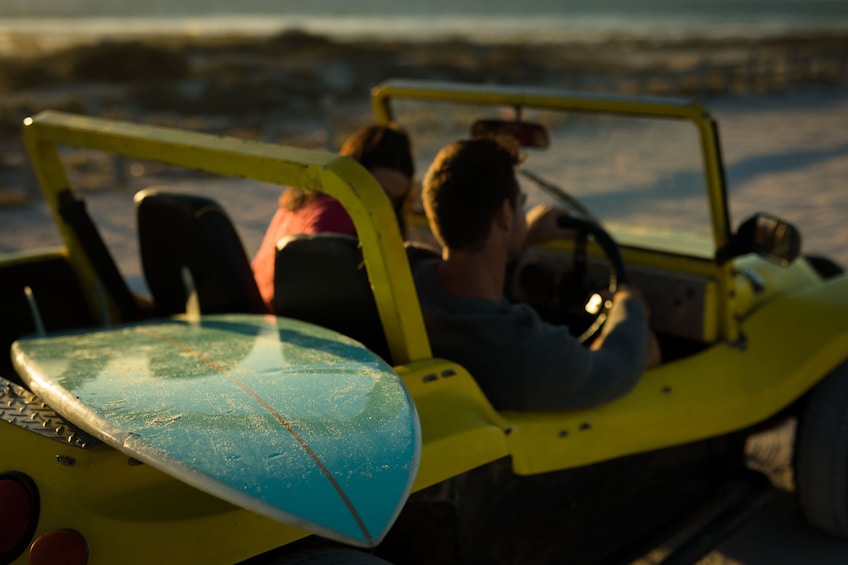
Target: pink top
x=324, y=214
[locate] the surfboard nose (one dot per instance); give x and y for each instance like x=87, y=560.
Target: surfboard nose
x=283, y=418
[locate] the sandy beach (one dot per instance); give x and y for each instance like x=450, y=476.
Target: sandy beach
x=781, y=104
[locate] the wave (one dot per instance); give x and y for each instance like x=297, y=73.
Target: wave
x=528, y=28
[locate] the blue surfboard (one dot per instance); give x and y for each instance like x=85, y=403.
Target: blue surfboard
x=284, y=418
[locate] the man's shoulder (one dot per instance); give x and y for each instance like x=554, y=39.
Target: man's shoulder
x=436, y=302
x=424, y=274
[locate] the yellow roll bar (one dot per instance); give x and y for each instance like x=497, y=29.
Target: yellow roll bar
x=340, y=177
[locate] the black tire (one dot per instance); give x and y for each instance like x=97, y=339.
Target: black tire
x=329, y=556
x=821, y=454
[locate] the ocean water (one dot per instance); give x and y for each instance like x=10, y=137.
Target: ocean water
x=525, y=20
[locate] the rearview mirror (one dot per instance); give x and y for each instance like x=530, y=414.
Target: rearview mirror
x=527, y=134
x=770, y=237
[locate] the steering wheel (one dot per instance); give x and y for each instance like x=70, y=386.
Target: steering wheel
x=574, y=301
x=577, y=303
x=574, y=291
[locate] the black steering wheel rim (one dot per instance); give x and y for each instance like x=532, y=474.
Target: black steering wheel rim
x=617, y=272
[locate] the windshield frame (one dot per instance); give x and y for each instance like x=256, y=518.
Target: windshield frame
x=384, y=94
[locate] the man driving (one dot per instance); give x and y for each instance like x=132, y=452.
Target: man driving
x=476, y=210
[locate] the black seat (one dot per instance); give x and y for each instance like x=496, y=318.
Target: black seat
x=184, y=230
x=321, y=279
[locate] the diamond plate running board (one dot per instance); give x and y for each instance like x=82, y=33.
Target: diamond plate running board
x=22, y=408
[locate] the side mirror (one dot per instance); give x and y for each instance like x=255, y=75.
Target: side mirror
x=773, y=239
x=527, y=134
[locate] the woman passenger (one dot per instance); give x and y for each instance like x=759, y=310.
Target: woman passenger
x=385, y=150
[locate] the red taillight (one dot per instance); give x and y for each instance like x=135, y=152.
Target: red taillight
x=59, y=546
x=18, y=513
x=15, y=508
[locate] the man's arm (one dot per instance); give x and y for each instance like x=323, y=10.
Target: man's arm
x=561, y=374
x=653, y=356
x=543, y=225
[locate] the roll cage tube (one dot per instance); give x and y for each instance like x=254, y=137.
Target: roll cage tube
x=341, y=177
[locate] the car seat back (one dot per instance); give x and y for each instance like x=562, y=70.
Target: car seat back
x=321, y=279
x=178, y=231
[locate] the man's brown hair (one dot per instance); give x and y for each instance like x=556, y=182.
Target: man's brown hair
x=464, y=187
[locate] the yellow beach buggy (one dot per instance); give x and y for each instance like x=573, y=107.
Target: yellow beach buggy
x=753, y=333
